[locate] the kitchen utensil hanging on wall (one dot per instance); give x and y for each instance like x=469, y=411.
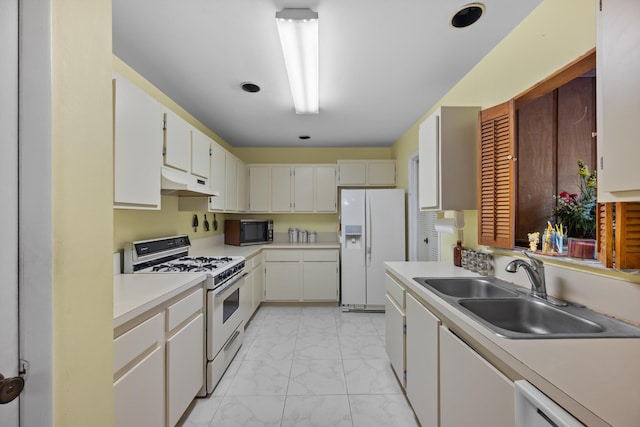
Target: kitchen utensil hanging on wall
x=215, y=223
x=194, y=223
x=205, y=224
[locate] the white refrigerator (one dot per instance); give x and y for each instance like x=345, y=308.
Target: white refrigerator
x=372, y=232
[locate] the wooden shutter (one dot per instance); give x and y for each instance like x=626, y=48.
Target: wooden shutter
x=627, y=235
x=605, y=233
x=496, y=169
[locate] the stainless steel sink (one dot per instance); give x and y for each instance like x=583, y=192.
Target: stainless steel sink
x=510, y=311
x=466, y=287
x=529, y=316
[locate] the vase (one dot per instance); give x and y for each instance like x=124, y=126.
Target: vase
x=582, y=248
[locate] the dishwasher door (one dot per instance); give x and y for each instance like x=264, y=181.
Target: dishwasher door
x=534, y=409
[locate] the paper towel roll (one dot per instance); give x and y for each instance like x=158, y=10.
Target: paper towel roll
x=445, y=225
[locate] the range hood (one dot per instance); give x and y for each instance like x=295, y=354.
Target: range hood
x=179, y=183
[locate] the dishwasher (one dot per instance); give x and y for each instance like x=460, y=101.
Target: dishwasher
x=534, y=409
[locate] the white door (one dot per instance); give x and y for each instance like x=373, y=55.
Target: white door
x=9, y=206
x=424, y=241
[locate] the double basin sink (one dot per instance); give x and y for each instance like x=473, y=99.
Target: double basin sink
x=509, y=311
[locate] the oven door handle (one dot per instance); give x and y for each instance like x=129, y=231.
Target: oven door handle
x=230, y=284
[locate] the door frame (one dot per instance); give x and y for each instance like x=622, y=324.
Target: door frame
x=413, y=205
x=35, y=210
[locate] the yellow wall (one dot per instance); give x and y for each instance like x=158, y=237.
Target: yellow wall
x=82, y=214
x=553, y=35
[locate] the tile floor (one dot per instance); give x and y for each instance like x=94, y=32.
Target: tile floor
x=307, y=366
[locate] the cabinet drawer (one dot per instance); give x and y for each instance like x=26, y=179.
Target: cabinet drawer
x=395, y=290
x=275, y=255
x=183, y=309
x=133, y=343
x=320, y=255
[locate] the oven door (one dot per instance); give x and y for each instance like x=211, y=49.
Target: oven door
x=224, y=313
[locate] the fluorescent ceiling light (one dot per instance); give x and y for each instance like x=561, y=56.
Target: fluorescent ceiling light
x=298, y=30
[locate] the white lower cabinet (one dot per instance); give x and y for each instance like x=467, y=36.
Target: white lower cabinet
x=422, y=361
x=394, y=334
x=301, y=275
x=139, y=366
x=395, y=327
x=185, y=349
x=472, y=391
x=254, y=282
x=159, y=362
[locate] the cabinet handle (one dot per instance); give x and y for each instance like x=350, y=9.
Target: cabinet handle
x=510, y=157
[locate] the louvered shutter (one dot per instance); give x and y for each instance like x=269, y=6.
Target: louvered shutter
x=605, y=234
x=496, y=183
x=627, y=235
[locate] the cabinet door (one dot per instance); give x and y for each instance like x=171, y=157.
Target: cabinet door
x=394, y=337
x=200, y=154
x=258, y=285
x=381, y=172
x=472, y=392
x=280, y=189
x=231, y=191
x=282, y=281
x=422, y=361
x=497, y=176
x=243, y=197
x=303, y=187
x=428, y=167
x=326, y=191
x=139, y=395
x=259, y=188
x=320, y=281
x=177, y=142
x=218, y=181
x=618, y=86
x=137, y=148
x=185, y=367
x=352, y=172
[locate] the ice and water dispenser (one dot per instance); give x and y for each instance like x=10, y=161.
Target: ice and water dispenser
x=353, y=236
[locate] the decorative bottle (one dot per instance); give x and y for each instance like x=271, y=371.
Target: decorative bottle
x=457, y=254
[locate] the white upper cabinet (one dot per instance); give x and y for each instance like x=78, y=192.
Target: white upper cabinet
x=177, y=142
x=200, y=154
x=243, y=196
x=325, y=185
x=367, y=173
x=137, y=147
x=284, y=188
x=303, y=188
x=259, y=188
x=218, y=181
x=231, y=190
x=448, y=159
x=281, y=189
x=618, y=84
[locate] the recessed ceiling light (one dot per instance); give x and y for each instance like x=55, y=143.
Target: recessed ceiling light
x=467, y=15
x=250, y=87
x=304, y=137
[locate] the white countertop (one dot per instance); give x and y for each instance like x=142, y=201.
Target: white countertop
x=598, y=380
x=134, y=294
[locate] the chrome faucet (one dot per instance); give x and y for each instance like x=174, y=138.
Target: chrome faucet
x=535, y=271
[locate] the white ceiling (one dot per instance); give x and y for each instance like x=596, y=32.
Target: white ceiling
x=383, y=63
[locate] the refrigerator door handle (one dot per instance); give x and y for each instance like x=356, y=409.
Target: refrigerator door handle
x=368, y=236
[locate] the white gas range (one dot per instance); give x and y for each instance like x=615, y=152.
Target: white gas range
x=224, y=324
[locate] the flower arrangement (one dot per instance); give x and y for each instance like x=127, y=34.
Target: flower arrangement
x=577, y=212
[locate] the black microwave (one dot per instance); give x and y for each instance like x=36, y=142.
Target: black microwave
x=240, y=232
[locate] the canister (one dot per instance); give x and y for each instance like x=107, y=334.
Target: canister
x=312, y=237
